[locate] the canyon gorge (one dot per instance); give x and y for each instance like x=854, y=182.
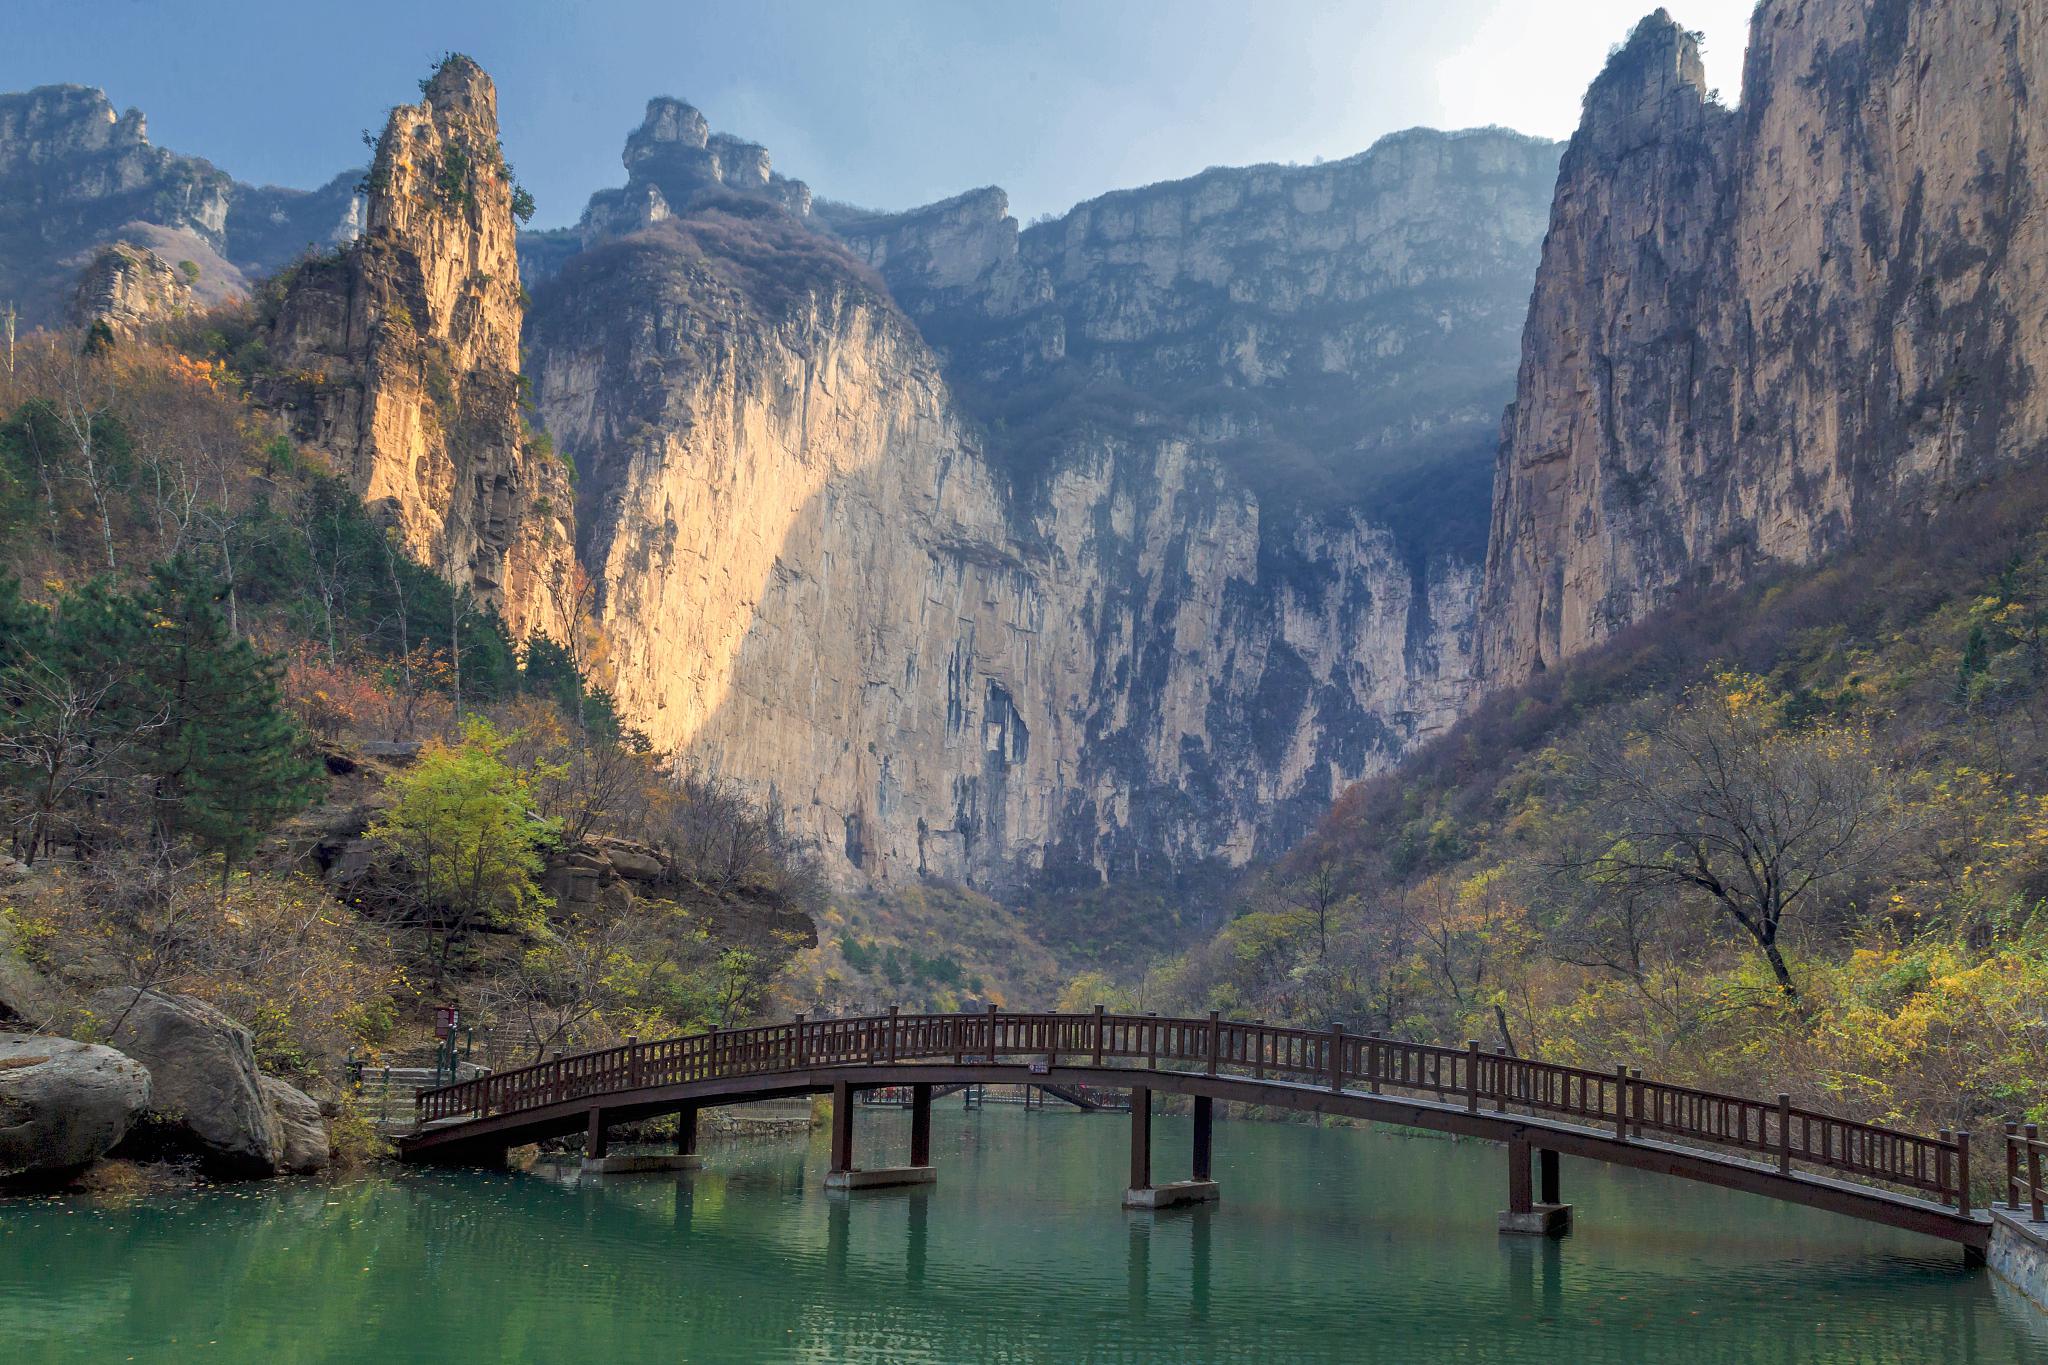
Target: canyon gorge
x=1119, y=544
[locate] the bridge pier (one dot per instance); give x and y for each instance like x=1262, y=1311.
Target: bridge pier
x=1525, y=1215
x=844, y=1175
x=599, y=1159
x=1142, y=1193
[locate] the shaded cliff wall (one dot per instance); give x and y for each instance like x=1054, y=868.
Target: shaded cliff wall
x=398, y=359
x=1756, y=331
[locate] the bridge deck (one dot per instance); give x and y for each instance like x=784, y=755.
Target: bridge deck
x=1883, y=1176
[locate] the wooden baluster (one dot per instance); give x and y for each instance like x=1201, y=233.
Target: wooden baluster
x=1784, y=1133
x=1963, y=1172
x=1372, y=1062
x=891, y=1026
x=632, y=1063
x=2034, y=1171
x=1502, y=1083
x=1621, y=1103
x=1215, y=1038
x=1259, y=1041
x=1472, y=1075
x=1636, y=1075
x=1336, y=1055
x=1098, y=1035
x=1152, y=1040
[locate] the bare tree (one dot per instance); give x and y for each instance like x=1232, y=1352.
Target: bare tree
x=58, y=742
x=81, y=405
x=1318, y=893
x=1717, y=797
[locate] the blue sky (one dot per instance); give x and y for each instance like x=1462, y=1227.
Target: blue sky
x=887, y=103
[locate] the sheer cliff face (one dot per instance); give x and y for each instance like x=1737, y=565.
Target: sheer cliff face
x=398, y=358
x=1319, y=329
x=75, y=175
x=826, y=577
x=1756, y=332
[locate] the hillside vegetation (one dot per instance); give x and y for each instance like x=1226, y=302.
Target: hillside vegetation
x=251, y=751
x=1793, y=837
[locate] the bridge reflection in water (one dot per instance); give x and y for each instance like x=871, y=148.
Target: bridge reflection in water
x=1537, y=1110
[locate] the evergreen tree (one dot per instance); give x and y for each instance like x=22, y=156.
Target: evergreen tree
x=226, y=760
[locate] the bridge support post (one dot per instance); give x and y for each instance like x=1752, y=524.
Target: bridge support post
x=842, y=1128
x=686, y=1132
x=1524, y=1215
x=1141, y=1193
x=1141, y=1140
x=921, y=1124
x=846, y=1176
x=600, y=1159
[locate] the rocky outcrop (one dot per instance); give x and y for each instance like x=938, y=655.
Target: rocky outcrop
x=399, y=360
x=75, y=175
x=1319, y=330
x=1115, y=633
x=675, y=163
x=1757, y=333
x=205, y=1087
x=302, y=1141
x=128, y=289
x=63, y=1104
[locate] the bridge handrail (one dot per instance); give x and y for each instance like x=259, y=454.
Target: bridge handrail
x=2026, y=1152
x=1496, y=1081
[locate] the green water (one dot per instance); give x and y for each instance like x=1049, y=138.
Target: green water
x=1330, y=1245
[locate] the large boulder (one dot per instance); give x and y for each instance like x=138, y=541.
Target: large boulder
x=202, y=1065
x=63, y=1104
x=301, y=1131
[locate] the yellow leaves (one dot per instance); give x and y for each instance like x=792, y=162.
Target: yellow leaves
x=1742, y=692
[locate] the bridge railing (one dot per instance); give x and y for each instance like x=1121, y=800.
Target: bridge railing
x=2026, y=1153
x=1633, y=1107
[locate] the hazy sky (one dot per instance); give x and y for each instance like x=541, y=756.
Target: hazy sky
x=886, y=103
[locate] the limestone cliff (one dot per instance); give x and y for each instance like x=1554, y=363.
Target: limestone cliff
x=398, y=359
x=1757, y=332
x=128, y=288
x=74, y=175
x=835, y=571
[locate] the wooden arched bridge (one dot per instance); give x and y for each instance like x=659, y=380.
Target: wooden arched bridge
x=1768, y=1147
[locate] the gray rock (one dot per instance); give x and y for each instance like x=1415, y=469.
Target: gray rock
x=63, y=1104
x=203, y=1068
x=635, y=862
x=301, y=1131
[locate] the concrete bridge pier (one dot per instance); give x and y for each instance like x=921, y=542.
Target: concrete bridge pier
x=845, y=1175
x=599, y=1159
x=1200, y=1188
x=1525, y=1214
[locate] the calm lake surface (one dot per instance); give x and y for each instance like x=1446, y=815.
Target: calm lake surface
x=1329, y=1245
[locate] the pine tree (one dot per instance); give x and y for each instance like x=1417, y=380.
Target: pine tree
x=227, y=760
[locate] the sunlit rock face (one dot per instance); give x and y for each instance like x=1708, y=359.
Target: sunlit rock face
x=1757, y=333
x=127, y=289
x=1109, y=546
x=398, y=359
x=75, y=176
